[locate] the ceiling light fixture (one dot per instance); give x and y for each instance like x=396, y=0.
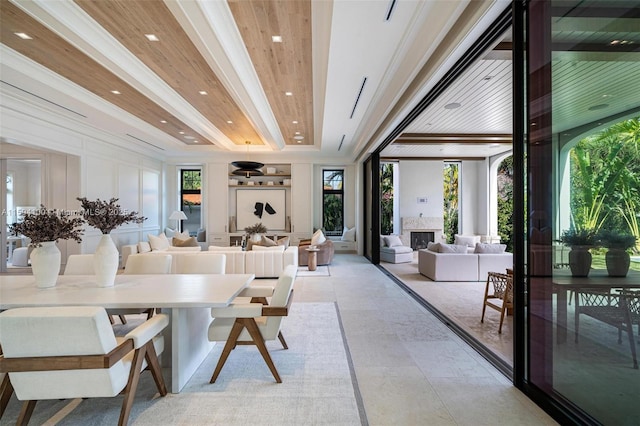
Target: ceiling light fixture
x=298, y=137
x=152, y=37
x=163, y=121
x=202, y=92
x=229, y=122
x=276, y=39
x=288, y=94
x=294, y=122
x=452, y=105
x=115, y=92
x=24, y=36
x=247, y=168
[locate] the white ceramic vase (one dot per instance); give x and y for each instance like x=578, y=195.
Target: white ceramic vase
x=105, y=261
x=45, y=264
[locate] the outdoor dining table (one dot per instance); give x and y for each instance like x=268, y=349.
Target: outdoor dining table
x=186, y=298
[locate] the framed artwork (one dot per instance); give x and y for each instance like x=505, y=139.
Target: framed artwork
x=261, y=205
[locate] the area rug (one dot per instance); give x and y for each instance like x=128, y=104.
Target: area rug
x=321, y=271
x=317, y=385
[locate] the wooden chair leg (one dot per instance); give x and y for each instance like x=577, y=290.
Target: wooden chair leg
x=132, y=385
x=111, y=319
x=6, y=390
x=123, y=319
x=228, y=347
x=254, y=331
x=154, y=366
x=502, y=312
x=281, y=338
x=26, y=412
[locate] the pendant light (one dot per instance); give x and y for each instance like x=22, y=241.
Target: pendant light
x=247, y=168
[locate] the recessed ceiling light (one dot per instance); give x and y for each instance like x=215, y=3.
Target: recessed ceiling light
x=534, y=124
x=229, y=122
x=276, y=39
x=182, y=133
x=299, y=141
x=152, y=37
x=298, y=137
x=597, y=107
x=23, y=36
x=452, y=105
x=163, y=121
x=297, y=133
x=202, y=92
x=115, y=92
x=294, y=122
x=195, y=141
x=288, y=94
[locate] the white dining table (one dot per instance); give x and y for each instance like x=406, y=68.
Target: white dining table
x=186, y=298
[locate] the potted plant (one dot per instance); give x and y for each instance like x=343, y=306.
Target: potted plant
x=255, y=231
x=617, y=258
x=580, y=241
x=44, y=228
x=106, y=216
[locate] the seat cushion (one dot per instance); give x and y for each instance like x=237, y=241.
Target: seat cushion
x=396, y=249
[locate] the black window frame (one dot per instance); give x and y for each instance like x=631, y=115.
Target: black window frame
x=338, y=192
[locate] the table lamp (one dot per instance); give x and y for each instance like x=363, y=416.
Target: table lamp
x=178, y=215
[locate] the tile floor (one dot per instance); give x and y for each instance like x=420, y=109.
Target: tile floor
x=410, y=368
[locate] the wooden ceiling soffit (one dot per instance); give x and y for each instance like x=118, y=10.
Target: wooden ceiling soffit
x=437, y=139
x=281, y=66
x=174, y=58
x=56, y=54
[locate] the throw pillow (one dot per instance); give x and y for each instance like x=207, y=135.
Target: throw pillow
x=284, y=241
x=349, y=234
x=392, y=241
x=490, y=248
x=184, y=235
x=189, y=242
x=453, y=248
x=434, y=247
x=170, y=233
x=144, y=247
x=466, y=240
x=272, y=248
x=159, y=243
x=383, y=243
x=267, y=242
x=318, y=238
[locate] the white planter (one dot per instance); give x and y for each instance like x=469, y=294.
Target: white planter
x=105, y=261
x=45, y=264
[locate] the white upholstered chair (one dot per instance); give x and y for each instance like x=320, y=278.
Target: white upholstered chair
x=138, y=264
x=72, y=352
x=253, y=323
x=202, y=263
x=82, y=264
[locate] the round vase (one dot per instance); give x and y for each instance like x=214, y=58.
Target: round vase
x=580, y=261
x=105, y=261
x=45, y=264
x=618, y=261
x=255, y=238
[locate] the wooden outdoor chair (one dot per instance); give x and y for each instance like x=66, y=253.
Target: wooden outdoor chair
x=498, y=295
x=72, y=352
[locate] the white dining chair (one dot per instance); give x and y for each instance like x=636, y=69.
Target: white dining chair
x=202, y=263
x=139, y=264
x=253, y=323
x=69, y=352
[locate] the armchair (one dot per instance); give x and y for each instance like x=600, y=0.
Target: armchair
x=72, y=352
x=325, y=255
x=253, y=323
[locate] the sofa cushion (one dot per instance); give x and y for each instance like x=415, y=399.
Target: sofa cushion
x=453, y=248
x=318, y=238
x=392, y=241
x=271, y=248
x=218, y=248
x=144, y=247
x=267, y=242
x=466, y=240
x=184, y=235
x=159, y=242
x=189, y=242
x=397, y=249
x=434, y=247
x=284, y=242
x=490, y=248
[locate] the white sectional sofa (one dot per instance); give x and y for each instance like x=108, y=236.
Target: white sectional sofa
x=461, y=266
x=263, y=263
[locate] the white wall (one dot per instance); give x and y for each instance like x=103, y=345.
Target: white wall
x=81, y=161
x=474, y=205
x=421, y=179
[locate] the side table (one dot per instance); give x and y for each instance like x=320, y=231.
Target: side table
x=313, y=258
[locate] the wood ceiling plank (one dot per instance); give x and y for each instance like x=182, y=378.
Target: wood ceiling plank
x=174, y=58
x=281, y=67
x=55, y=53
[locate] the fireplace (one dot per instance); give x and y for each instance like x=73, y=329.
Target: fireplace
x=419, y=240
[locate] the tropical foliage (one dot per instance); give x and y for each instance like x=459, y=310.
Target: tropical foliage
x=386, y=198
x=605, y=179
x=505, y=202
x=451, y=196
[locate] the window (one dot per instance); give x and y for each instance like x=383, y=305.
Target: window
x=451, y=175
x=332, y=201
x=191, y=199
